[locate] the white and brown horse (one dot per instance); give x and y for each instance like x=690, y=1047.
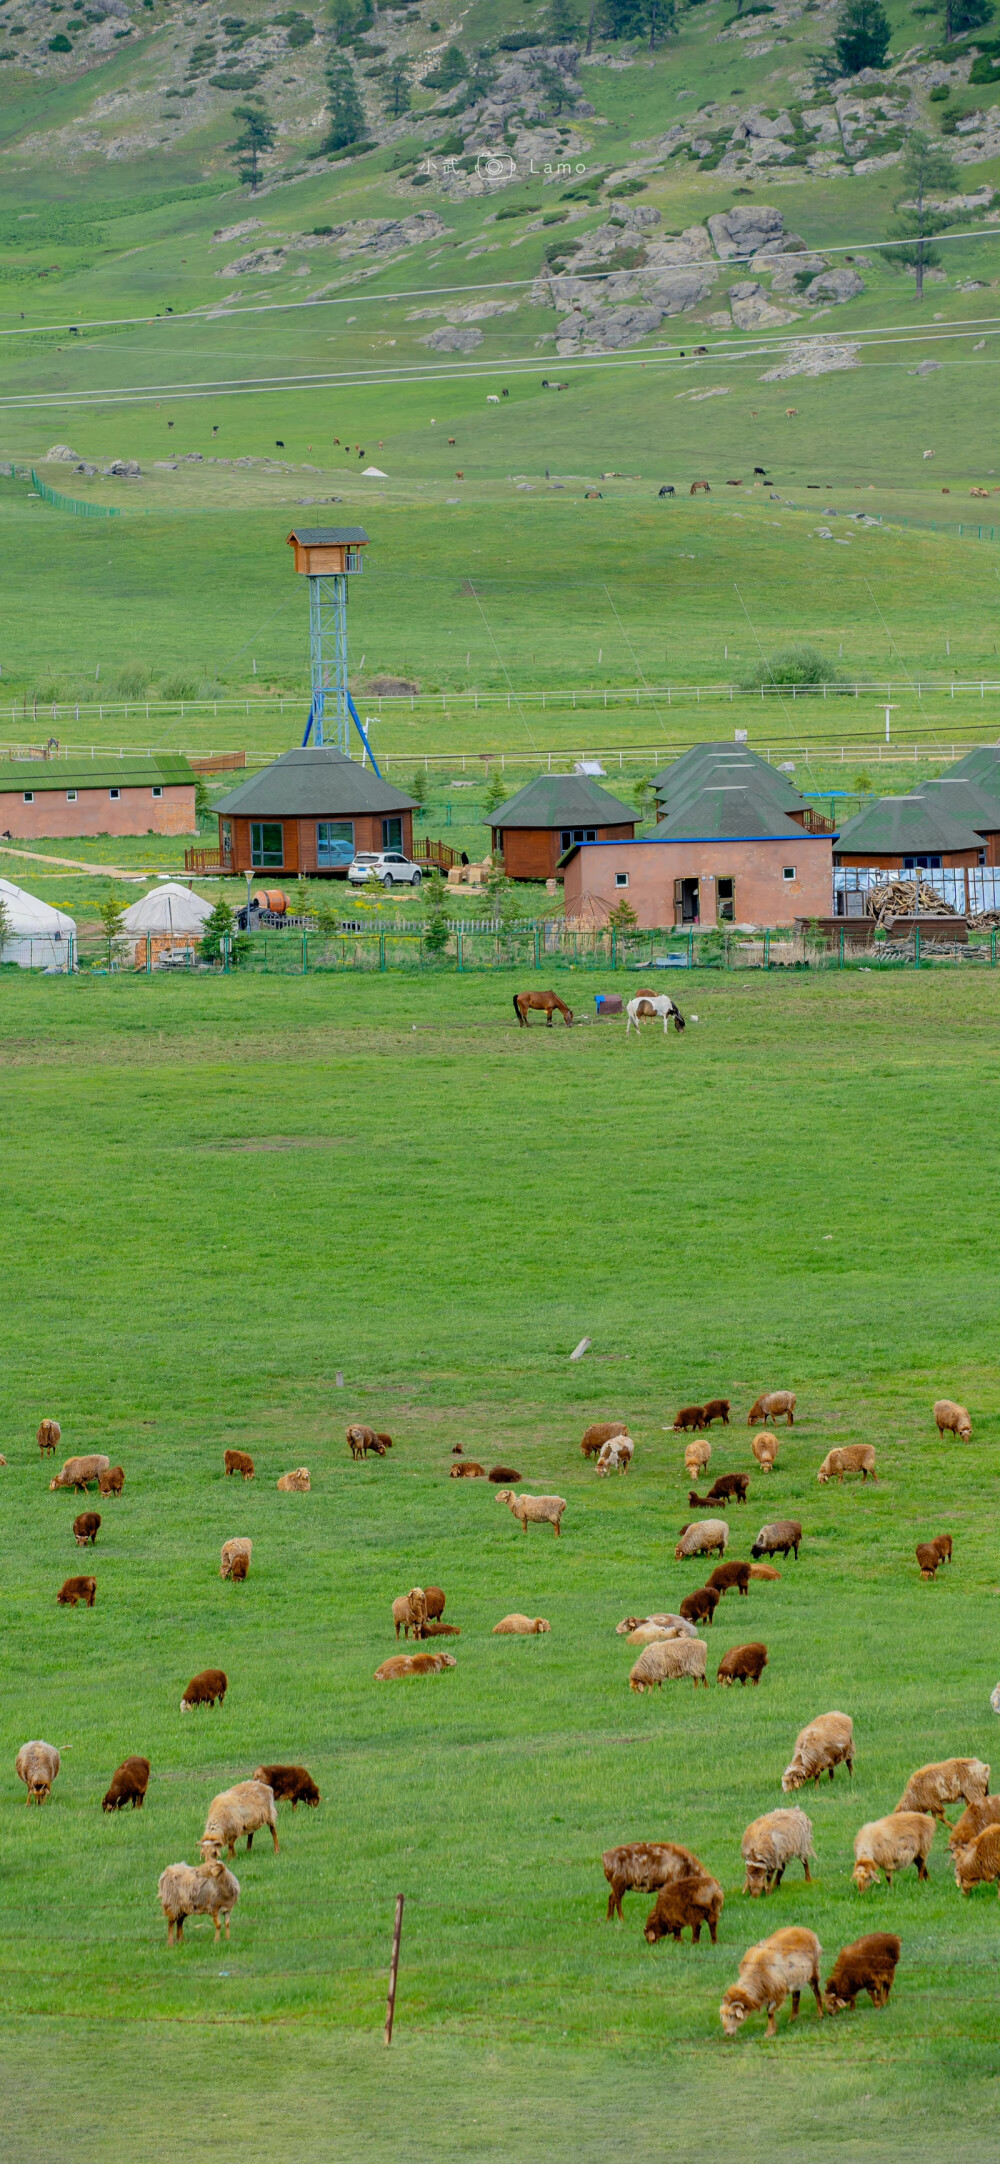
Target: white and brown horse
x=646, y=1006
x=545, y=1002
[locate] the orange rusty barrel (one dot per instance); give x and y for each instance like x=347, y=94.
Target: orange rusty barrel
x=271, y=898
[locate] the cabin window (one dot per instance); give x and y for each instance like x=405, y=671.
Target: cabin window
x=267, y=845
x=157, y=791
x=71, y=796
x=572, y=836
x=227, y=840
x=621, y=879
x=788, y=871
x=921, y=864
x=114, y=794
x=334, y=842
x=725, y=900
x=392, y=834
x=29, y=796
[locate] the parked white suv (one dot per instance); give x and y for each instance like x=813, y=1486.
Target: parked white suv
x=390, y=866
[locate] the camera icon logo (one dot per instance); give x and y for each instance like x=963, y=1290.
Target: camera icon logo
x=490, y=167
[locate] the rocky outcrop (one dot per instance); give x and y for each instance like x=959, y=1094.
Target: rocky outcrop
x=745, y=229
x=452, y=338
x=753, y=311
x=835, y=285
x=816, y=358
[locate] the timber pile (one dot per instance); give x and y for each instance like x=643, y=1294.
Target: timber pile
x=986, y=920
x=906, y=898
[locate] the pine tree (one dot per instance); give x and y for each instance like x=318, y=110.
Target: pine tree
x=418, y=790
x=452, y=68
x=963, y=15
x=436, y=900
x=562, y=21
x=926, y=169
x=220, y=926
x=496, y=790
x=397, y=87
x=253, y=143
x=111, y=911
x=861, y=39
x=347, y=120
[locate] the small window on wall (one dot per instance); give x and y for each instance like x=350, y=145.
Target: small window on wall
x=392, y=834
x=788, y=871
x=621, y=879
x=71, y=796
x=29, y=796
x=157, y=791
x=114, y=794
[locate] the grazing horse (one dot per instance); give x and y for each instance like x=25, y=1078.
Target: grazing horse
x=647, y=1005
x=546, y=1002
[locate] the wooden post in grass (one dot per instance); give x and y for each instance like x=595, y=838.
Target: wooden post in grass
x=390, y=2004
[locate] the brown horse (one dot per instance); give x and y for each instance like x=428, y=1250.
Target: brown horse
x=546, y=1003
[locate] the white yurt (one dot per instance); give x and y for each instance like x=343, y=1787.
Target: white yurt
x=40, y=937
x=168, y=923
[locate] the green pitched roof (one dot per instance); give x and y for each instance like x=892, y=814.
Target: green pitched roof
x=727, y=811
x=905, y=824
x=981, y=766
x=562, y=800
x=731, y=773
x=137, y=770
x=967, y=801
x=313, y=782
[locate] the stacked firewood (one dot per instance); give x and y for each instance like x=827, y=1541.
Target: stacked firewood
x=906, y=898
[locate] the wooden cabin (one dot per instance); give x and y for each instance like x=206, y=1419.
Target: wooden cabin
x=310, y=814
x=328, y=551
x=535, y=828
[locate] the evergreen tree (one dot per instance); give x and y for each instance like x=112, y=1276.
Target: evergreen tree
x=963, y=15
x=452, y=68
x=111, y=911
x=418, y=790
x=397, y=87
x=253, y=143
x=220, y=926
x=347, y=120
x=562, y=21
x=926, y=169
x=861, y=39
x=623, y=18
x=496, y=790
x=499, y=894
x=436, y=900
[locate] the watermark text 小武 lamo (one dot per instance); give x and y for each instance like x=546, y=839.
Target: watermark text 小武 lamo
x=490, y=166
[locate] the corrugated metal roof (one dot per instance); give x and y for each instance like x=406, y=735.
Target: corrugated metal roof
x=135, y=771
x=562, y=800
x=730, y=811
x=905, y=825
x=314, y=537
x=313, y=782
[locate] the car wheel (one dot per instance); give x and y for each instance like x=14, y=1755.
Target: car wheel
x=388, y=880
x=415, y=881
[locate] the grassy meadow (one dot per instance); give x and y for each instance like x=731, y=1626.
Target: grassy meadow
x=219, y=1192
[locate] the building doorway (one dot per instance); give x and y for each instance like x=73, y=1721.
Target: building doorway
x=725, y=898
x=687, y=901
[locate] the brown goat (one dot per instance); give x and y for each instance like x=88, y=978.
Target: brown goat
x=725, y=1576
x=77, y=1589
x=742, y=1664
x=700, y=1607
x=729, y=1487
x=694, y=1901
x=112, y=1482
x=869, y=1964
x=239, y=1461
x=128, y=1784
x=86, y=1528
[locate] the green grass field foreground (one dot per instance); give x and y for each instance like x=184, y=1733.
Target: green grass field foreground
x=218, y=1193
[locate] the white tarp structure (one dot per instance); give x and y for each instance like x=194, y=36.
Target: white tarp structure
x=168, y=908
x=40, y=937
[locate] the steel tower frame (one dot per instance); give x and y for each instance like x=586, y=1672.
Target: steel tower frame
x=328, y=656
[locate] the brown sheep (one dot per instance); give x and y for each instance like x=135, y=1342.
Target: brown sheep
x=502, y=1474
x=700, y=1607
x=409, y=1610
x=435, y=1602
x=37, y=1765
x=769, y=1845
x=765, y=1450
x=205, y=1688
x=848, y=1458
x=468, y=1470
x=717, y=1409
x=869, y=1964
x=645, y=1866
x=771, y=1404
x=128, y=1784
x=361, y=1439
x=49, y=1434
x=413, y=1664
x=890, y=1844
x=295, y=1483
x=694, y=1901
x=704, y=1537
x=290, y=1784
x=952, y=1419
x=112, y=1482
x=690, y=1416
x=79, y=1472
x=728, y=1487
x=942, y=1542
x=240, y=1569
x=436, y=1630
x=764, y=1571
x=238, y=1461
x=521, y=1626
x=725, y=1576
x=456, y=1450
x=784, y=1537
x=786, y=1962
x=932, y=1553
x=973, y=1819
x=240, y=1548
x=742, y=1664
x=823, y=1744
x=600, y=1431
x=978, y=1864
x=77, y=1589
x=948, y=1781
x=383, y=1438
x=696, y=1457
x=86, y=1528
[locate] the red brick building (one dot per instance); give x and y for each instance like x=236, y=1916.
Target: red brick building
x=533, y=829
x=309, y=814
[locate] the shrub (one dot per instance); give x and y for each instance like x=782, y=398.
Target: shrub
x=798, y=664
x=940, y=93
x=984, y=70
x=60, y=43
x=133, y=680
x=301, y=34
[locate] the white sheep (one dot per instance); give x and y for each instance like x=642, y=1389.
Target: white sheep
x=206, y=1889
x=769, y=1843
x=533, y=1509
x=409, y=1610
x=79, y=1472
x=697, y=1454
x=889, y=1844
x=670, y=1660
x=786, y=1962
x=819, y=1747
x=36, y=1765
x=243, y=1809
x=708, y=1536
x=616, y=1455
x=240, y=1546
x=951, y=1779
x=521, y=1626
x=677, y=1624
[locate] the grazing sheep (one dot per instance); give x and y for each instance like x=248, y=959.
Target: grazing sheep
x=677, y=1624
x=521, y=1626
x=645, y=1866
x=435, y=1601
x=360, y=1440
x=615, y=1456
x=978, y=1863
x=37, y=1765
x=534, y=1509
x=717, y=1409
x=694, y=1901
x=289, y=1784
x=727, y=1575
x=932, y=1553
x=74, y=1590
x=49, y=1434
x=670, y=1660
x=409, y=1610
x=848, y=1458
x=204, y=1689
x=973, y=1819
x=771, y=1404
x=436, y=1630
x=79, y=1472
x=413, y=1664
x=786, y=1962
x=819, y=1747
x=952, y=1419
x=128, y=1784
x=652, y=1634
x=890, y=1844
x=730, y=1487
x=690, y=1416
x=501, y=1475
x=696, y=1457
x=297, y=1483
x=700, y=1606
x=112, y=1482
x=599, y=1432
x=456, y=1450
x=765, y=1450
x=943, y=1543
x=86, y=1528
x=869, y=1964
x=742, y=1665
x=384, y=1439
x=206, y=1889
x=770, y=1843
x=231, y=1551
x=243, y=1809
x=931, y=1787
x=468, y=1470
x=782, y=1538
x=764, y=1571
x=707, y=1536
x=239, y=1461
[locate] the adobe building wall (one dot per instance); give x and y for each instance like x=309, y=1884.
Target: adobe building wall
x=762, y=894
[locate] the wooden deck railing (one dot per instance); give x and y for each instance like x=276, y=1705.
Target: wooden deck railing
x=438, y=854
x=202, y=860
